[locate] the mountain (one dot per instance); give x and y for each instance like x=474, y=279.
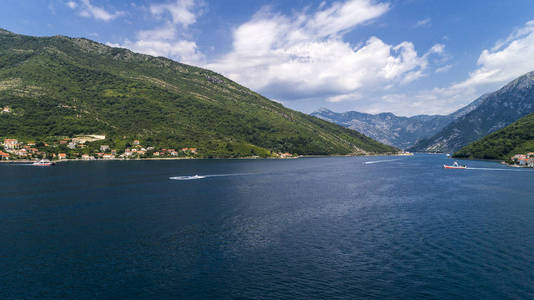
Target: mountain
x=401, y=132
x=60, y=86
x=493, y=112
x=387, y=128
x=516, y=138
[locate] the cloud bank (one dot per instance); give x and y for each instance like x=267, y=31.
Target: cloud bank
x=88, y=10
x=505, y=61
x=304, y=55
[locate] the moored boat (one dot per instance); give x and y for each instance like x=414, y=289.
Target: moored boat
x=43, y=163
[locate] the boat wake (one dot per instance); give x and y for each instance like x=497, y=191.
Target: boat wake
x=494, y=169
x=381, y=161
x=195, y=177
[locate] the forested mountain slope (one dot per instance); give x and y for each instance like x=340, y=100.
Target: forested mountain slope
x=60, y=86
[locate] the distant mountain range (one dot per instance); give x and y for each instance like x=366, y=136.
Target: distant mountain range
x=401, y=132
x=449, y=133
x=61, y=86
x=492, y=112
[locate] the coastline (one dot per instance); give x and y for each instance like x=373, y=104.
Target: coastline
x=204, y=158
x=500, y=161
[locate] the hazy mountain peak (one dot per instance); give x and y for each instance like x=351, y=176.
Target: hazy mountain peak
x=386, y=127
x=323, y=110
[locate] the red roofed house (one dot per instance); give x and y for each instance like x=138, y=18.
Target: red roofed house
x=4, y=155
x=192, y=150
x=286, y=155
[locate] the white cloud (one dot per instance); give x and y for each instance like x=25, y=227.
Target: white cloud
x=181, y=50
x=443, y=69
x=167, y=40
x=345, y=97
x=436, y=101
x=89, y=10
x=72, y=4
x=507, y=60
x=423, y=23
x=181, y=11
x=305, y=55
x=342, y=16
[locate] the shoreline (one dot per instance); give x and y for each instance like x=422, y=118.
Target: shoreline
x=200, y=158
x=499, y=161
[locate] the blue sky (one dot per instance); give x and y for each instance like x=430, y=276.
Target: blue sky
x=407, y=57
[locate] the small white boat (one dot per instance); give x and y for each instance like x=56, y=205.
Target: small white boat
x=187, y=177
x=43, y=163
x=455, y=165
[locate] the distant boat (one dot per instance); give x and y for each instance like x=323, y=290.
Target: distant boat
x=43, y=163
x=455, y=165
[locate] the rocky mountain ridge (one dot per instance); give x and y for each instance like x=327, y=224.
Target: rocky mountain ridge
x=493, y=112
x=398, y=131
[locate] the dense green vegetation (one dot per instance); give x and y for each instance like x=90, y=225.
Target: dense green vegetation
x=60, y=86
x=516, y=138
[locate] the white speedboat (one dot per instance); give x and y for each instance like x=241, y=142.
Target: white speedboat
x=455, y=165
x=43, y=163
x=187, y=177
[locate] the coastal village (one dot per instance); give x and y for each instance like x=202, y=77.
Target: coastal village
x=92, y=147
x=77, y=148
x=524, y=160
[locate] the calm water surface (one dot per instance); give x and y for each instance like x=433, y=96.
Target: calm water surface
x=343, y=227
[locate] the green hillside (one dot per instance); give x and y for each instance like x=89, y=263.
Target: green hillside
x=516, y=138
x=60, y=86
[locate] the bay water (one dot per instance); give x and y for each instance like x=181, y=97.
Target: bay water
x=332, y=227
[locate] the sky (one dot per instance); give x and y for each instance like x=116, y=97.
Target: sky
x=408, y=57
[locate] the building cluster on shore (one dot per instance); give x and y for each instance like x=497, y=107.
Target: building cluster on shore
x=524, y=160
x=97, y=147
x=77, y=148
x=14, y=149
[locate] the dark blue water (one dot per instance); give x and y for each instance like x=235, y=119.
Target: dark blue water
x=304, y=228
